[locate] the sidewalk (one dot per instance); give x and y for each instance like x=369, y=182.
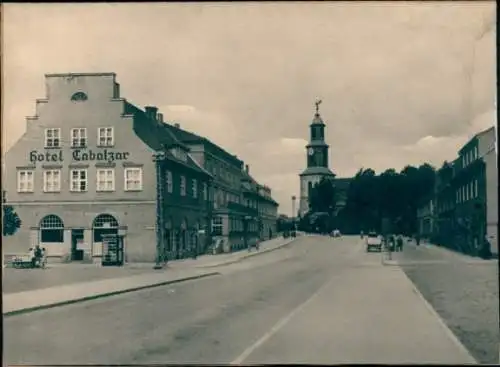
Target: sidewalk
x=177, y=271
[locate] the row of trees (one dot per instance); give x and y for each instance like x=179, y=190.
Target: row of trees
x=370, y=198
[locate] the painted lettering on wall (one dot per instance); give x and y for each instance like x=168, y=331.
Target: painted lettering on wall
x=79, y=155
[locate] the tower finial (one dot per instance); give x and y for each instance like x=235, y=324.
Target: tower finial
x=317, y=103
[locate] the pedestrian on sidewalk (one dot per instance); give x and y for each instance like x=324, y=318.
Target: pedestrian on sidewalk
x=399, y=243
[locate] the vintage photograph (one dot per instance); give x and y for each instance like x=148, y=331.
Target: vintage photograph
x=249, y=183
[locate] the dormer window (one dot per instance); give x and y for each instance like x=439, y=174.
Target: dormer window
x=79, y=97
x=179, y=154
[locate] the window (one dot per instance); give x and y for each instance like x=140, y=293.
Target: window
x=471, y=189
x=195, y=188
x=52, y=180
x=169, y=182
x=105, y=179
x=217, y=226
x=476, y=152
x=79, y=97
x=79, y=137
x=475, y=189
x=205, y=191
x=133, y=179
x=52, y=138
x=78, y=178
x=25, y=181
x=179, y=154
x=183, y=186
x=105, y=137
x=51, y=229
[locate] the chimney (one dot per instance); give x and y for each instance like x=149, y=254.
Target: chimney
x=177, y=125
x=151, y=112
x=247, y=169
x=160, y=117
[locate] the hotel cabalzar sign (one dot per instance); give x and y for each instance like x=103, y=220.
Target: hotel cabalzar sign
x=79, y=155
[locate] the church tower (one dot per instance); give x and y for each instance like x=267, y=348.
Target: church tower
x=317, y=161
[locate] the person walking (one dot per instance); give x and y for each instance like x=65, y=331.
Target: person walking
x=399, y=243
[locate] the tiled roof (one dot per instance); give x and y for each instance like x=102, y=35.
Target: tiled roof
x=158, y=137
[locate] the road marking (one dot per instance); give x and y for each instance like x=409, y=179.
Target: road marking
x=278, y=326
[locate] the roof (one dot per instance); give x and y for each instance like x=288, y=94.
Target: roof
x=78, y=74
x=189, y=137
x=317, y=120
x=476, y=136
x=317, y=171
x=158, y=137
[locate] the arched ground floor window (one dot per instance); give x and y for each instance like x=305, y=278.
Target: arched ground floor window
x=51, y=229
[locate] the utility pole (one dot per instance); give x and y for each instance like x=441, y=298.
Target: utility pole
x=159, y=159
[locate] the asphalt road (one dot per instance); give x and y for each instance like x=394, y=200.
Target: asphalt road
x=318, y=301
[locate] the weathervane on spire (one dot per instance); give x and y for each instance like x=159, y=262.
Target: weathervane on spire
x=317, y=103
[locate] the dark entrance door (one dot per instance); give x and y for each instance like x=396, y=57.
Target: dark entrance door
x=76, y=236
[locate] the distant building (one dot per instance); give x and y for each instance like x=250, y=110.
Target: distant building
x=84, y=169
x=466, y=198
x=318, y=167
x=476, y=184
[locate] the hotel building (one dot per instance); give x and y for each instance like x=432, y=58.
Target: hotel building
x=84, y=168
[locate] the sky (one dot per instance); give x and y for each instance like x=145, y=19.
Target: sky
x=401, y=83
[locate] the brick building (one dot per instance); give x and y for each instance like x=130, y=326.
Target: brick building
x=235, y=194
x=84, y=168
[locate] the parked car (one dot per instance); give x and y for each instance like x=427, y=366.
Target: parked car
x=373, y=241
x=335, y=233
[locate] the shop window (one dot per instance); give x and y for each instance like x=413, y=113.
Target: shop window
x=105, y=137
x=51, y=229
x=78, y=179
x=104, y=224
x=52, y=137
x=79, y=137
x=25, y=180
x=217, y=226
x=133, y=179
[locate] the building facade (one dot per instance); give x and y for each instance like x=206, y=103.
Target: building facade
x=84, y=168
x=466, y=197
x=239, y=213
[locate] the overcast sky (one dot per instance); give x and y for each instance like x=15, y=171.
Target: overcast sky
x=401, y=83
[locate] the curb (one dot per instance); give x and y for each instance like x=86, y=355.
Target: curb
x=106, y=294
x=441, y=322
x=247, y=256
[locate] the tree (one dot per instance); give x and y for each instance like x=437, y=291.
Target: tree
x=11, y=221
x=323, y=197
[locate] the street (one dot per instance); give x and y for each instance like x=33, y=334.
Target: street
x=322, y=300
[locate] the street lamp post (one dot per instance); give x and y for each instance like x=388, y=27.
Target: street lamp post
x=158, y=159
x=293, y=212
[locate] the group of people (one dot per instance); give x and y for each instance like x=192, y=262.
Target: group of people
x=38, y=256
x=395, y=242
